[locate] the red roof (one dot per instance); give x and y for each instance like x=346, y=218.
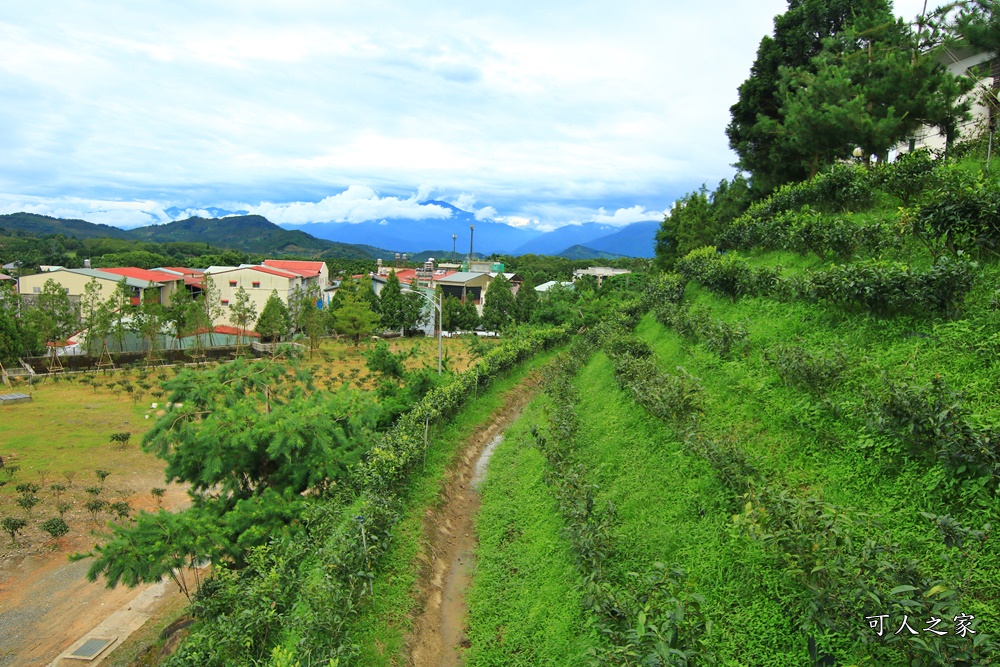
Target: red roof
x=184, y=271
x=275, y=272
x=231, y=331
x=306, y=269
x=142, y=274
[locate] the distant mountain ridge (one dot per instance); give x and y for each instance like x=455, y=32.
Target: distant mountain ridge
x=583, y=252
x=414, y=236
x=44, y=225
x=249, y=233
x=635, y=240
x=256, y=234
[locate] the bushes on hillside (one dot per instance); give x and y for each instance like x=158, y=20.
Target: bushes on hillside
x=876, y=287
x=807, y=231
x=933, y=420
x=886, y=288
x=962, y=213
x=719, y=336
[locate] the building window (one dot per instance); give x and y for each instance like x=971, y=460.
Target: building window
x=225, y=302
x=256, y=284
x=232, y=283
x=36, y=290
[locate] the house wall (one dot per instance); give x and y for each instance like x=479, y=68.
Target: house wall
x=958, y=63
x=247, y=278
x=74, y=283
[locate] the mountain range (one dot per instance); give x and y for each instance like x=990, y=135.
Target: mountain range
x=365, y=240
x=489, y=236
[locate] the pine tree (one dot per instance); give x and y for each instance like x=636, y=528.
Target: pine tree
x=392, y=304
x=499, y=307
x=274, y=321
x=355, y=318
x=527, y=299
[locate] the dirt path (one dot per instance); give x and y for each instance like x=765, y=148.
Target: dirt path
x=46, y=602
x=448, y=556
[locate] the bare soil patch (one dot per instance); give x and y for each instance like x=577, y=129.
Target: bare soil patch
x=447, y=557
x=62, y=438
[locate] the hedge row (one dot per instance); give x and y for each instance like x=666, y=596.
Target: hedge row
x=651, y=619
x=807, y=231
x=875, y=287
x=718, y=336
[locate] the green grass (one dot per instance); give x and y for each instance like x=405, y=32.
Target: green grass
x=381, y=629
x=670, y=509
x=818, y=448
x=524, y=603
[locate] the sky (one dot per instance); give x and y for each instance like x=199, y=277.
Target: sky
x=535, y=113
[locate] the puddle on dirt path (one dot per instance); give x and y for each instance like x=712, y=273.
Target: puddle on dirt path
x=479, y=475
x=438, y=638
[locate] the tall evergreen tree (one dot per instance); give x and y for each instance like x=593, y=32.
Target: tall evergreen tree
x=526, y=300
x=274, y=321
x=798, y=37
x=355, y=318
x=392, y=304
x=499, y=307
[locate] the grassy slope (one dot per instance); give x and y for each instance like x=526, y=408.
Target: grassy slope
x=524, y=604
x=382, y=628
x=826, y=452
x=669, y=509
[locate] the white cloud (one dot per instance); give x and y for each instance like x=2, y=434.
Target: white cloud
x=117, y=213
x=357, y=203
x=626, y=216
x=546, y=111
x=465, y=202
x=486, y=213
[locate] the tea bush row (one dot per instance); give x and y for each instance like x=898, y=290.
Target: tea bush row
x=847, y=575
x=719, y=336
x=655, y=618
x=932, y=421
x=806, y=231
x=874, y=287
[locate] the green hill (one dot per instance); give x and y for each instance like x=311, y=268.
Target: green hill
x=43, y=225
x=583, y=252
x=250, y=233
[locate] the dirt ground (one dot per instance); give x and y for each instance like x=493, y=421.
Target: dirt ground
x=438, y=638
x=46, y=602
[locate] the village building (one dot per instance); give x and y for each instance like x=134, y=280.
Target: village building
x=257, y=281
x=74, y=281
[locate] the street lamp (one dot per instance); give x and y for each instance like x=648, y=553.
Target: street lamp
x=437, y=305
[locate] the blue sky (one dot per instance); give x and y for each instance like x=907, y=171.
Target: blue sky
x=536, y=113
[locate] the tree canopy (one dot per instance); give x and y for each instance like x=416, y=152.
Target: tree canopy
x=499, y=306
x=835, y=75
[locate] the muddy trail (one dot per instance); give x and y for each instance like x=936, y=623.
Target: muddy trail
x=447, y=558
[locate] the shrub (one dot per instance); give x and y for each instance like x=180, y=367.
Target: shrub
x=962, y=213
x=932, y=420
x=885, y=288
x=905, y=177
x=13, y=526
x=718, y=336
x=55, y=527
x=812, y=371
x=727, y=274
